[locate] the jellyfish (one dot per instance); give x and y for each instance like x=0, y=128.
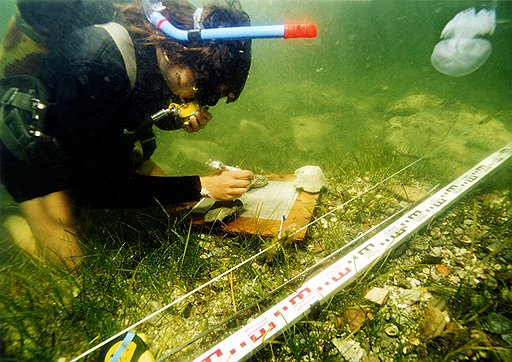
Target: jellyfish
x=462, y=49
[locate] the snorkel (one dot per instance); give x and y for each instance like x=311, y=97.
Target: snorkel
x=153, y=8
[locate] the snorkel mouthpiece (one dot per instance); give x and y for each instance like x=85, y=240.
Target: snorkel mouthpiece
x=153, y=9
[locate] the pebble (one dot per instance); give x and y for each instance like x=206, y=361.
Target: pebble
x=437, y=251
x=390, y=211
x=378, y=295
x=435, y=232
x=391, y=330
x=414, y=282
x=404, y=204
x=349, y=349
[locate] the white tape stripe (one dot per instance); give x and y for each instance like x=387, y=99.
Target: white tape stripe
x=290, y=310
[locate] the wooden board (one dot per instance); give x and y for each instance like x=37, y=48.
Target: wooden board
x=298, y=217
x=299, y=214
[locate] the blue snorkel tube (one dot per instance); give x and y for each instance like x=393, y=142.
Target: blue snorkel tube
x=152, y=10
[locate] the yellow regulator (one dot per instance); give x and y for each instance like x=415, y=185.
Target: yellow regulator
x=129, y=347
x=184, y=110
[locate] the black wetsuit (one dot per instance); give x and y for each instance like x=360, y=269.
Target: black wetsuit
x=92, y=109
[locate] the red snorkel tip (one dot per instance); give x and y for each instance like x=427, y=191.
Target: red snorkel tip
x=303, y=30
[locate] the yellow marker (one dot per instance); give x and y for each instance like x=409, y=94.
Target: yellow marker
x=129, y=347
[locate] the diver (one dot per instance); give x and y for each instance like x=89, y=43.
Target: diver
x=85, y=136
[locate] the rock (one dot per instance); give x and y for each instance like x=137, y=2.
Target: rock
x=443, y=269
x=349, y=349
x=183, y=155
x=408, y=193
x=414, y=295
x=257, y=182
x=431, y=259
x=254, y=135
x=378, y=295
x=310, y=179
x=355, y=317
x=433, y=323
x=460, y=130
x=222, y=210
x=414, y=103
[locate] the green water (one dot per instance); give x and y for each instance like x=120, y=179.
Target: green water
x=314, y=101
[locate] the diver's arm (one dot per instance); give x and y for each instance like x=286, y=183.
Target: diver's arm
x=134, y=190
x=128, y=190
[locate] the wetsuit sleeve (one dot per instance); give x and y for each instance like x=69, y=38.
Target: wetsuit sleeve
x=91, y=93
x=135, y=191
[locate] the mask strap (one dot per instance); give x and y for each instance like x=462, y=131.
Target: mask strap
x=198, y=25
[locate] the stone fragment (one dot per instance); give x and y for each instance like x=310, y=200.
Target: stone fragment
x=408, y=193
x=222, y=210
x=433, y=323
x=355, y=317
x=349, y=349
x=258, y=181
x=310, y=179
x=378, y=295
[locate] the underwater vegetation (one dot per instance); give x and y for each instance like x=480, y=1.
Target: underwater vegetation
x=447, y=290
x=361, y=102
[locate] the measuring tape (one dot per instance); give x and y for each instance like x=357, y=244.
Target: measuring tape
x=245, y=341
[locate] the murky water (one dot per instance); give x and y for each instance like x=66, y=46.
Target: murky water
x=313, y=101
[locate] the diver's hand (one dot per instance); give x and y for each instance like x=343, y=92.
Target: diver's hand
x=198, y=120
x=227, y=185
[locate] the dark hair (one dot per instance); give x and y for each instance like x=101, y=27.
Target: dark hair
x=215, y=63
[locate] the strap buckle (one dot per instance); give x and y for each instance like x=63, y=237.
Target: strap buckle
x=13, y=97
x=9, y=96
x=38, y=108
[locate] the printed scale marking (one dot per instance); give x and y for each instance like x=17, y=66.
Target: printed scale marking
x=290, y=310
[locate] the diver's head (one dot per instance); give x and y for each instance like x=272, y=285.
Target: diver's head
x=180, y=78
x=220, y=67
